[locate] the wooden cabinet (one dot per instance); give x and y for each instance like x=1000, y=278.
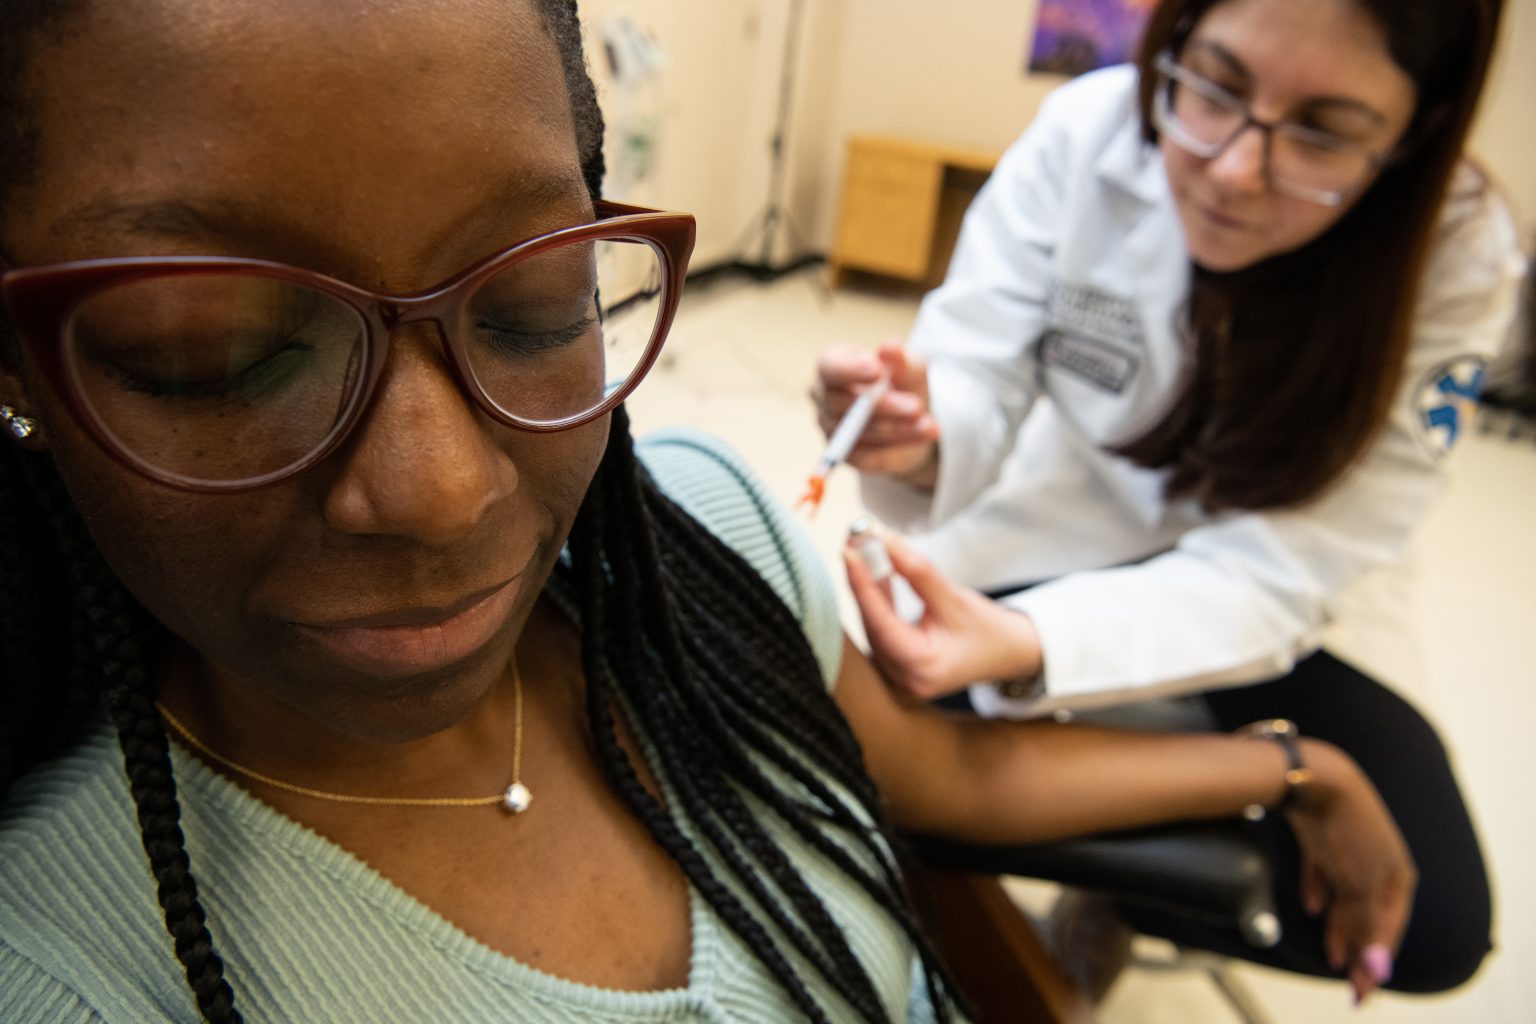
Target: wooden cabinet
x=901, y=206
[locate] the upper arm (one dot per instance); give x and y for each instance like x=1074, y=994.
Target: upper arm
x=915, y=754
x=1466, y=305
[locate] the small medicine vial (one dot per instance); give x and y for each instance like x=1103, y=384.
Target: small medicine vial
x=871, y=549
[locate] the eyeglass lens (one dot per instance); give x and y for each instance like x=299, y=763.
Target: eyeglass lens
x=229, y=376
x=1209, y=118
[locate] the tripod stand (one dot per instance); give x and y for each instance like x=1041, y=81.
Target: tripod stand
x=764, y=230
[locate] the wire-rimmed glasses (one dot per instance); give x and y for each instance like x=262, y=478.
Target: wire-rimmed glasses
x=225, y=374
x=1305, y=163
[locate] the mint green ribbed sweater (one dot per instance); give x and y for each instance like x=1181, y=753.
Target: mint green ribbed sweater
x=310, y=934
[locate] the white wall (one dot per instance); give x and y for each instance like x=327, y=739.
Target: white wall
x=865, y=66
x=714, y=99
x=948, y=72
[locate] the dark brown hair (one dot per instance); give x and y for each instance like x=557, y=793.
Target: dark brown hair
x=1295, y=361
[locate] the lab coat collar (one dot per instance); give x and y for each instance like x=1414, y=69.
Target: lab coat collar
x=1134, y=165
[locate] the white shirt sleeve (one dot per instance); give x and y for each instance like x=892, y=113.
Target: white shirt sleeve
x=979, y=329
x=1241, y=598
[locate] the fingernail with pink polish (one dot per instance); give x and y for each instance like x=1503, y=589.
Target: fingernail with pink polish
x=1378, y=961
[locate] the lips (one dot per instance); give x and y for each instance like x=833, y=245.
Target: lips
x=420, y=639
x=1221, y=220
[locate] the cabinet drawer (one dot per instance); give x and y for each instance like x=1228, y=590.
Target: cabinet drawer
x=889, y=206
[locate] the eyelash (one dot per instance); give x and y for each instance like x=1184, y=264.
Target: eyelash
x=540, y=341
x=251, y=379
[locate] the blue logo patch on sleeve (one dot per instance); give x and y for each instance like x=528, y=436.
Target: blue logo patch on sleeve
x=1446, y=400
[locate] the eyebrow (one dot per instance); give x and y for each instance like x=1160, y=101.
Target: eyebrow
x=542, y=192
x=111, y=216
x=1238, y=68
x=545, y=190
x=209, y=217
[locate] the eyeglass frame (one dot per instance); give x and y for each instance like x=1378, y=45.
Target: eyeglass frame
x=1171, y=72
x=41, y=300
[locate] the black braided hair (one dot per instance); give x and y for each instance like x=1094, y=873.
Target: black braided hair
x=657, y=590
x=109, y=650
x=735, y=738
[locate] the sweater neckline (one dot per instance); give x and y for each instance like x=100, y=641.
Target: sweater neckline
x=212, y=794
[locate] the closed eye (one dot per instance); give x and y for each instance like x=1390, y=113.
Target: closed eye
x=247, y=384
x=518, y=340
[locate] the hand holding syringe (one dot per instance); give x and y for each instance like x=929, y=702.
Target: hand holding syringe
x=874, y=408
x=842, y=441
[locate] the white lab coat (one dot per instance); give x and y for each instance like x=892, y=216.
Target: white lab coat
x=1057, y=335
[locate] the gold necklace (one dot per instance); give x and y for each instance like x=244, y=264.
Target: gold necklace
x=515, y=799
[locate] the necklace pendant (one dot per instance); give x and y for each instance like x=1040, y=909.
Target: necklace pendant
x=517, y=798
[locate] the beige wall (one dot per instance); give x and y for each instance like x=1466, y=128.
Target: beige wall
x=1505, y=135
x=714, y=101
x=907, y=69
x=948, y=72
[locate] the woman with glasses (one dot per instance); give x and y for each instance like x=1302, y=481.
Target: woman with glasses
x=355, y=665
x=1209, y=332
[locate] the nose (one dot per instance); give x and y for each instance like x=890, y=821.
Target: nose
x=1241, y=166
x=422, y=465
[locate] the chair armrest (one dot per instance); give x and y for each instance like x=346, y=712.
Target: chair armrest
x=1215, y=871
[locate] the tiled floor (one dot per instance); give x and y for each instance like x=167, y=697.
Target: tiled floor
x=739, y=362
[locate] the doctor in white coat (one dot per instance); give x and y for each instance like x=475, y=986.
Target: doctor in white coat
x=1209, y=332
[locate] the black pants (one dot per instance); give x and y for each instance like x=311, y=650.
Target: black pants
x=1449, y=932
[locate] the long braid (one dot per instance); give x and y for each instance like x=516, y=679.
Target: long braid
x=713, y=578
x=24, y=619
x=746, y=707
x=810, y=726
x=687, y=589
x=593, y=581
x=803, y=715
x=725, y=821
x=888, y=888
x=721, y=802
x=562, y=19
x=116, y=655
x=46, y=694
x=620, y=657
x=738, y=594
x=691, y=707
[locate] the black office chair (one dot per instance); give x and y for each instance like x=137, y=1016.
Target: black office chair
x=1213, y=871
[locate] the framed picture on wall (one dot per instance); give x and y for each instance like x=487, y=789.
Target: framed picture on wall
x=1074, y=36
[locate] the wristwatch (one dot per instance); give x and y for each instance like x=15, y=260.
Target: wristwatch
x=1022, y=688
x=1297, y=775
